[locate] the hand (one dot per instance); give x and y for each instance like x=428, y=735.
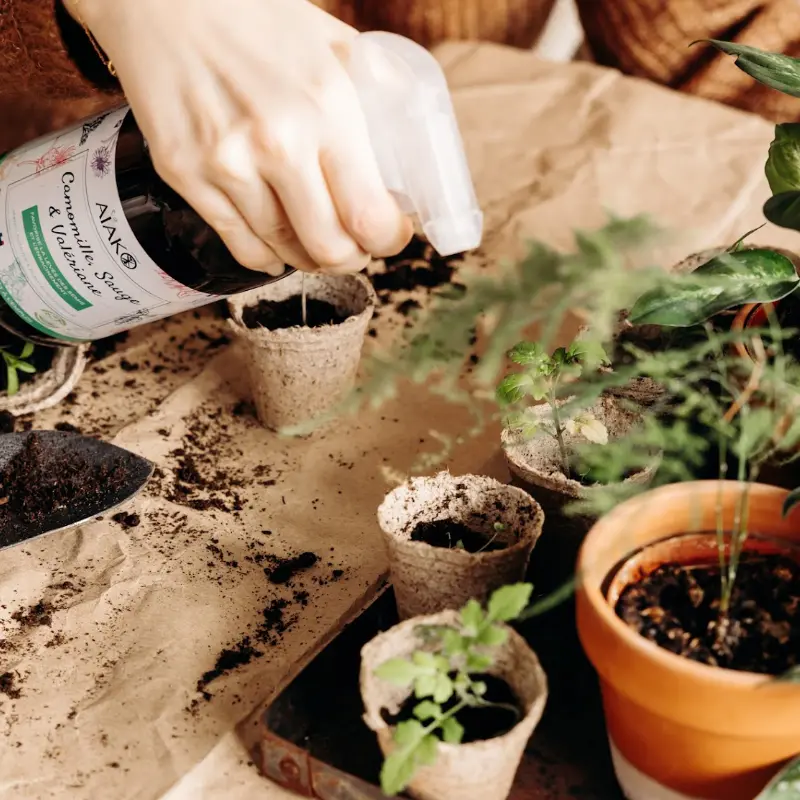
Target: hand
x=251, y=117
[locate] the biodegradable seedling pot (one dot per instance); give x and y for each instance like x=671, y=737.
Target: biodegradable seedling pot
x=481, y=770
x=428, y=579
x=679, y=729
x=48, y=388
x=298, y=374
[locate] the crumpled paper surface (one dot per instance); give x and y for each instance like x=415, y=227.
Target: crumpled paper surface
x=108, y=703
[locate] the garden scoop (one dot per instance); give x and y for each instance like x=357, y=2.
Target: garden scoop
x=53, y=481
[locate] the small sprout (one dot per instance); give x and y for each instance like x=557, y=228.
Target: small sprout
x=447, y=675
x=16, y=364
x=460, y=545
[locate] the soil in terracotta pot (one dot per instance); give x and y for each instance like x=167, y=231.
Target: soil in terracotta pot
x=38, y=481
x=453, y=535
x=277, y=314
x=479, y=724
x=677, y=608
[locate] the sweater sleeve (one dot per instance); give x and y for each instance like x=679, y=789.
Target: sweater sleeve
x=650, y=39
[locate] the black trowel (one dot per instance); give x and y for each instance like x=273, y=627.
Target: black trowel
x=55, y=465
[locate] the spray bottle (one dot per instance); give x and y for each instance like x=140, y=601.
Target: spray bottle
x=93, y=243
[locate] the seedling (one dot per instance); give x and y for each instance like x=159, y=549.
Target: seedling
x=543, y=378
x=498, y=527
x=16, y=364
x=447, y=671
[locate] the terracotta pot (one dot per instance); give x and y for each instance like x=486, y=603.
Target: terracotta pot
x=681, y=730
x=298, y=374
x=482, y=770
x=48, y=389
x=428, y=579
x=535, y=467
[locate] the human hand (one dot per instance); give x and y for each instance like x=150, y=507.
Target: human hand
x=250, y=116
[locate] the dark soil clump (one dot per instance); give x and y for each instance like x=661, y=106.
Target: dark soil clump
x=38, y=481
x=677, y=608
x=454, y=535
x=7, y=422
x=67, y=427
x=8, y=685
x=127, y=520
x=480, y=724
x=38, y=615
x=285, y=569
x=278, y=314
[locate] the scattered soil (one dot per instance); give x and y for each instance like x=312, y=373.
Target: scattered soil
x=677, y=608
x=38, y=615
x=8, y=685
x=285, y=569
x=451, y=535
x=479, y=724
x=7, y=422
x=279, y=314
x=67, y=427
x=127, y=520
x=38, y=481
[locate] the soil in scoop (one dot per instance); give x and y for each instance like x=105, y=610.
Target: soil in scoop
x=455, y=535
x=677, y=608
x=39, y=481
x=277, y=314
x=479, y=724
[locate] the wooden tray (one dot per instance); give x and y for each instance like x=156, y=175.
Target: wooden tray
x=314, y=742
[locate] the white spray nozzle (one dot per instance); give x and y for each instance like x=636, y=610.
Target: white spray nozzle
x=413, y=130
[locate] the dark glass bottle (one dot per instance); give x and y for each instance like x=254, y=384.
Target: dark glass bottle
x=93, y=242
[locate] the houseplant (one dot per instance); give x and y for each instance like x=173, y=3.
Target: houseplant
x=453, y=538
x=465, y=692
x=301, y=369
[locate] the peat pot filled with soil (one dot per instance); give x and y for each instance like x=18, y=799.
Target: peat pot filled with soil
x=482, y=766
x=536, y=466
x=453, y=538
x=693, y=710
x=34, y=377
x=298, y=371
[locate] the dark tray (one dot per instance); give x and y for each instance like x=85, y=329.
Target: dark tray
x=314, y=742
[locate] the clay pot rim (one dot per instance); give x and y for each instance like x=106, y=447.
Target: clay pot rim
x=536, y=708
x=531, y=530
x=593, y=579
x=352, y=325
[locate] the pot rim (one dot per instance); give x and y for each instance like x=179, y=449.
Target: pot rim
x=594, y=580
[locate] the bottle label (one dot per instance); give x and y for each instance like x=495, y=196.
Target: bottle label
x=70, y=265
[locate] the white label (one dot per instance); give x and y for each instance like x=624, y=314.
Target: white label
x=70, y=264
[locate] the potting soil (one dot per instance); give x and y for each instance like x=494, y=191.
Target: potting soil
x=288, y=313
x=454, y=535
x=677, y=607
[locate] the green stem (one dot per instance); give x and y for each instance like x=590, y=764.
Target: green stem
x=558, y=430
x=740, y=516
x=723, y=471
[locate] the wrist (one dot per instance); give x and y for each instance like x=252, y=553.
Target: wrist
x=85, y=12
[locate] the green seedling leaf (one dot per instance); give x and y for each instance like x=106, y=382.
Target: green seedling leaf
x=477, y=662
x=397, y=771
x=588, y=352
x=452, y=731
x=757, y=428
x=454, y=643
x=792, y=499
x=587, y=426
x=518, y=385
x=727, y=281
x=27, y=350
x=24, y=366
x=507, y=602
x=472, y=617
x=460, y=545
x=427, y=750
x=397, y=671
x=784, y=210
x=425, y=661
x=499, y=527
x=479, y=688
x=12, y=380
x=772, y=69
x=783, y=163
x=427, y=710
x=492, y=636
x=425, y=686
x=790, y=676
x=737, y=245
x=409, y=732
x=527, y=354
x=545, y=604
x=785, y=785
x=443, y=689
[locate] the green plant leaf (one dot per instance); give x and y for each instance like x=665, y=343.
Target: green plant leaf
x=427, y=710
x=492, y=636
x=757, y=428
x=472, y=617
x=12, y=380
x=408, y=732
x=792, y=499
x=443, y=689
x=478, y=662
x=727, y=281
x=527, y=354
x=24, y=366
x=397, y=771
x=397, y=671
x=427, y=751
x=790, y=676
x=425, y=686
x=27, y=350
x=452, y=731
x=550, y=601
x=588, y=352
x=426, y=661
x=784, y=210
x=783, y=162
x=453, y=643
x=507, y=602
x=772, y=69
x=785, y=785
x=514, y=387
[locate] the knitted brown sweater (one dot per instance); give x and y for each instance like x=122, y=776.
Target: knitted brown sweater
x=49, y=75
